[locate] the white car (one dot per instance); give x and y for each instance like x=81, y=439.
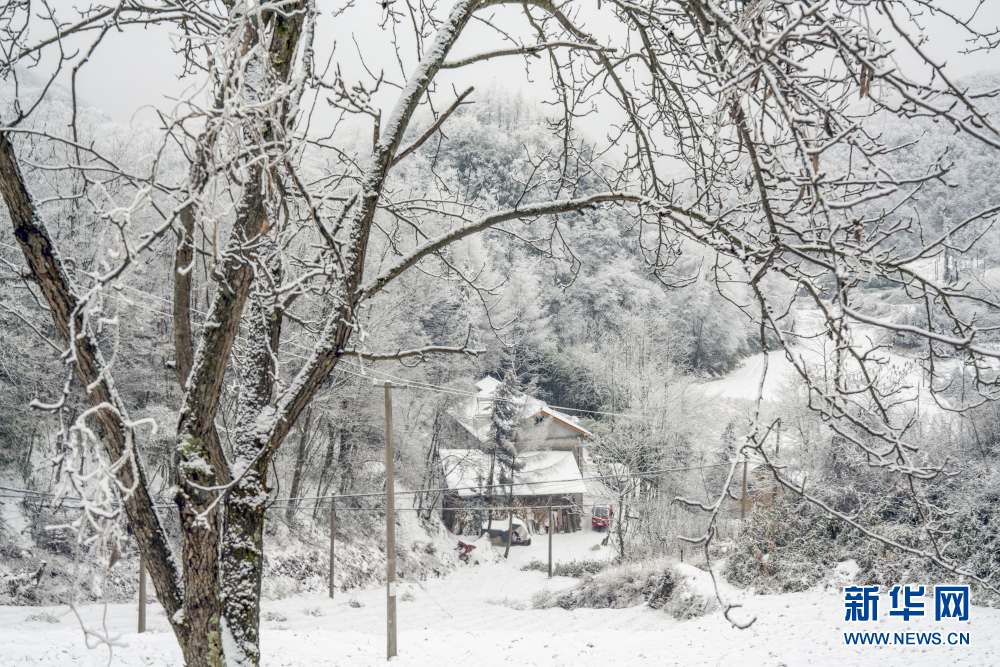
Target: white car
x=498, y=533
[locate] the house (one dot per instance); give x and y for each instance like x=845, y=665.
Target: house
x=550, y=444
x=542, y=427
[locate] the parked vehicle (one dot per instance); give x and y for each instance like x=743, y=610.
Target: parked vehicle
x=601, y=517
x=498, y=533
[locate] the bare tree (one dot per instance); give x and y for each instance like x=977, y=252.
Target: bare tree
x=744, y=127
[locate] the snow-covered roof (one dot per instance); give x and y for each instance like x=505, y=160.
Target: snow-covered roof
x=475, y=414
x=565, y=419
x=545, y=473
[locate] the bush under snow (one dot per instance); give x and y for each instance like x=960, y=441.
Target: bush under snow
x=659, y=583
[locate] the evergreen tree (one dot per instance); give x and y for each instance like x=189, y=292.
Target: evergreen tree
x=505, y=417
x=505, y=420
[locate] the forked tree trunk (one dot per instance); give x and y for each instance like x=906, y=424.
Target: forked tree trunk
x=220, y=575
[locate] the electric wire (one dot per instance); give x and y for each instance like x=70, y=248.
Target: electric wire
x=479, y=489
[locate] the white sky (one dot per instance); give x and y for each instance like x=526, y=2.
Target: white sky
x=137, y=67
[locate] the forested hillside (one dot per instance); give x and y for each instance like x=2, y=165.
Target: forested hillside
x=743, y=255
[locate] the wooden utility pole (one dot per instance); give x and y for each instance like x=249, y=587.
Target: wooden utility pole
x=743, y=498
x=551, y=526
x=390, y=531
x=510, y=533
x=142, y=593
x=333, y=532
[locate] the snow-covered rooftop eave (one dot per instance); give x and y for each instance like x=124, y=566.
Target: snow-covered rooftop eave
x=564, y=420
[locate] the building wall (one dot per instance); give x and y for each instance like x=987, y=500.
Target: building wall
x=549, y=431
x=466, y=522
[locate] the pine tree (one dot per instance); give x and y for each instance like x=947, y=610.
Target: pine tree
x=505, y=418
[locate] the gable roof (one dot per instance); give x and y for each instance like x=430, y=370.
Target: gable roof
x=563, y=419
x=466, y=471
x=475, y=414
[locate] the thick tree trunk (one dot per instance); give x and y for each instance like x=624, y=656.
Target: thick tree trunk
x=202, y=463
x=243, y=536
x=243, y=565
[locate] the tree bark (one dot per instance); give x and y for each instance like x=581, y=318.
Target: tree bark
x=183, y=270
x=202, y=463
x=243, y=536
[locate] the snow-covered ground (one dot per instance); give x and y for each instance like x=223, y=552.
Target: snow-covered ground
x=482, y=615
x=744, y=382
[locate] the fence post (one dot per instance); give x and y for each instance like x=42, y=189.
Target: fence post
x=743, y=498
x=142, y=592
x=551, y=526
x=510, y=533
x=333, y=532
x=390, y=531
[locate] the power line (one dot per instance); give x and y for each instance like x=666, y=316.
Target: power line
x=501, y=487
x=286, y=503
x=498, y=508
x=479, y=489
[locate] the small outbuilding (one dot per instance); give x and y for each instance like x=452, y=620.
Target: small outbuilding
x=547, y=479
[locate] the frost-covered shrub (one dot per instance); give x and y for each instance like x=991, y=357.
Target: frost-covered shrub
x=654, y=582
x=784, y=547
x=428, y=548
x=296, y=562
x=519, y=605
x=792, y=545
x=22, y=587
x=57, y=541
x=574, y=568
x=971, y=538
x=977, y=533
x=42, y=617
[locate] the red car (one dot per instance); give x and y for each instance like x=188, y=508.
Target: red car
x=601, y=517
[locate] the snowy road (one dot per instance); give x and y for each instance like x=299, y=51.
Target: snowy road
x=460, y=620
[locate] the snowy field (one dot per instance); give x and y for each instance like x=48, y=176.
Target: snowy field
x=482, y=615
